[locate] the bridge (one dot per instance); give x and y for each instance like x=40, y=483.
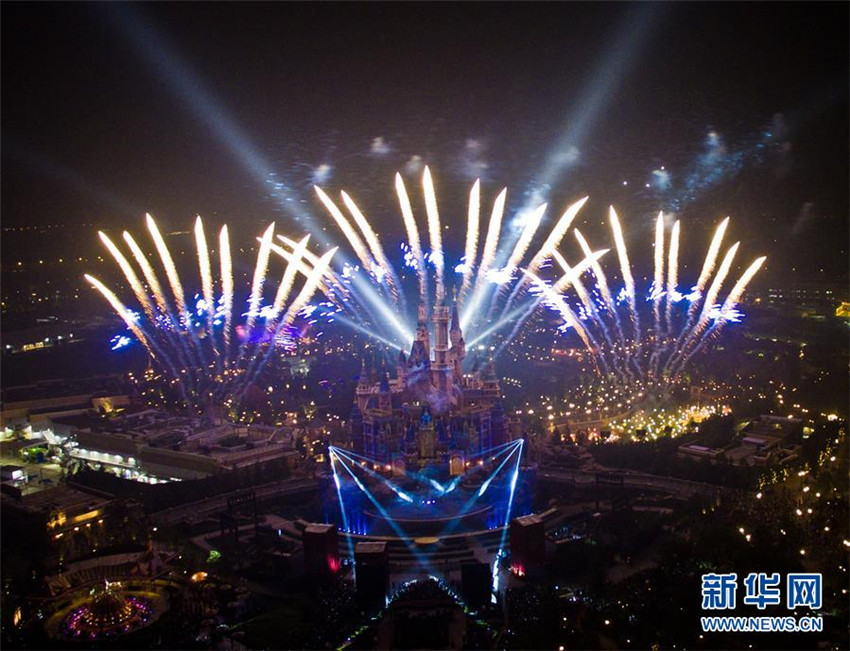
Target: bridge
x=212, y=506
x=683, y=488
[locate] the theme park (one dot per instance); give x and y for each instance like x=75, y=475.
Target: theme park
x=409, y=326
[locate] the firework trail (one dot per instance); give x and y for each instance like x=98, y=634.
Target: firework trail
x=728, y=306
x=710, y=298
x=182, y=351
x=310, y=286
x=589, y=305
x=434, y=235
x=601, y=283
x=522, y=245
x=656, y=291
x=123, y=312
x=288, y=278
x=386, y=271
x=672, y=276
x=488, y=254
x=570, y=278
x=330, y=285
x=304, y=296
x=491, y=242
x=525, y=239
x=129, y=274
x=149, y=274
x=168, y=264
x=625, y=271
x=345, y=226
x=412, y=234
x=226, y=285
x=557, y=302
x=130, y=319
x=206, y=281
x=260, y=272
x=182, y=315
x=471, y=250
x=550, y=244
x=356, y=297
x=739, y=287
x=553, y=240
x=696, y=294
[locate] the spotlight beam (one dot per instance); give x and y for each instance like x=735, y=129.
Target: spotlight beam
x=454, y=523
x=342, y=506
x=401, y=534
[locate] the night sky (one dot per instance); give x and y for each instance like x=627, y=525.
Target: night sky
x=234, y=110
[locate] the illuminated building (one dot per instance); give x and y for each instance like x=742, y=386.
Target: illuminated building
x=62, y=521
x=528, y=543
x=808, y=300
x=430, y=412
x=372, y=573
x=154, y=446
x=321, y=549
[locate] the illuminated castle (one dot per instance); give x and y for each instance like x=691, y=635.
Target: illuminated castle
x=430, y=412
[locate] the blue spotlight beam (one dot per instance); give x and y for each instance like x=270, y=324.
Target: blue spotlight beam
x=186, y=85
x=401, y=534
x=507, y=521
x=502, y=447
x=602, y=85
x=383, y=479
x=451, y=526
x=342, y=510
x=496, y=450
x=353, y=457
x=486, y=483
x=190, y=89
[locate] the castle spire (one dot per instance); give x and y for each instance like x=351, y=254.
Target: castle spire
x=422, y=334
x=455, y=317
x=458, y=349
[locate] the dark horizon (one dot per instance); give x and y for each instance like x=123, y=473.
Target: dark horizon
x=110, y=111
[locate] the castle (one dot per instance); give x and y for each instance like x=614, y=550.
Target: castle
x=430, y=413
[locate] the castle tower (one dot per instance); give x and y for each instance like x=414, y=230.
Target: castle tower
x=422, y=334
x=441, y=369
x=373, y=371
x=384, y=395
x=363, y=386
x=425, y=436
x=458, y=349
x=498, y=429
x=357, y=428
x=490, y=381
x=401, y=370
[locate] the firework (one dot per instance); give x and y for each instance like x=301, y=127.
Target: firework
x=412, y=232
x=661, y=355
x=434, y=234
x=492, y=294
x=193, y=344
x=471, y=250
